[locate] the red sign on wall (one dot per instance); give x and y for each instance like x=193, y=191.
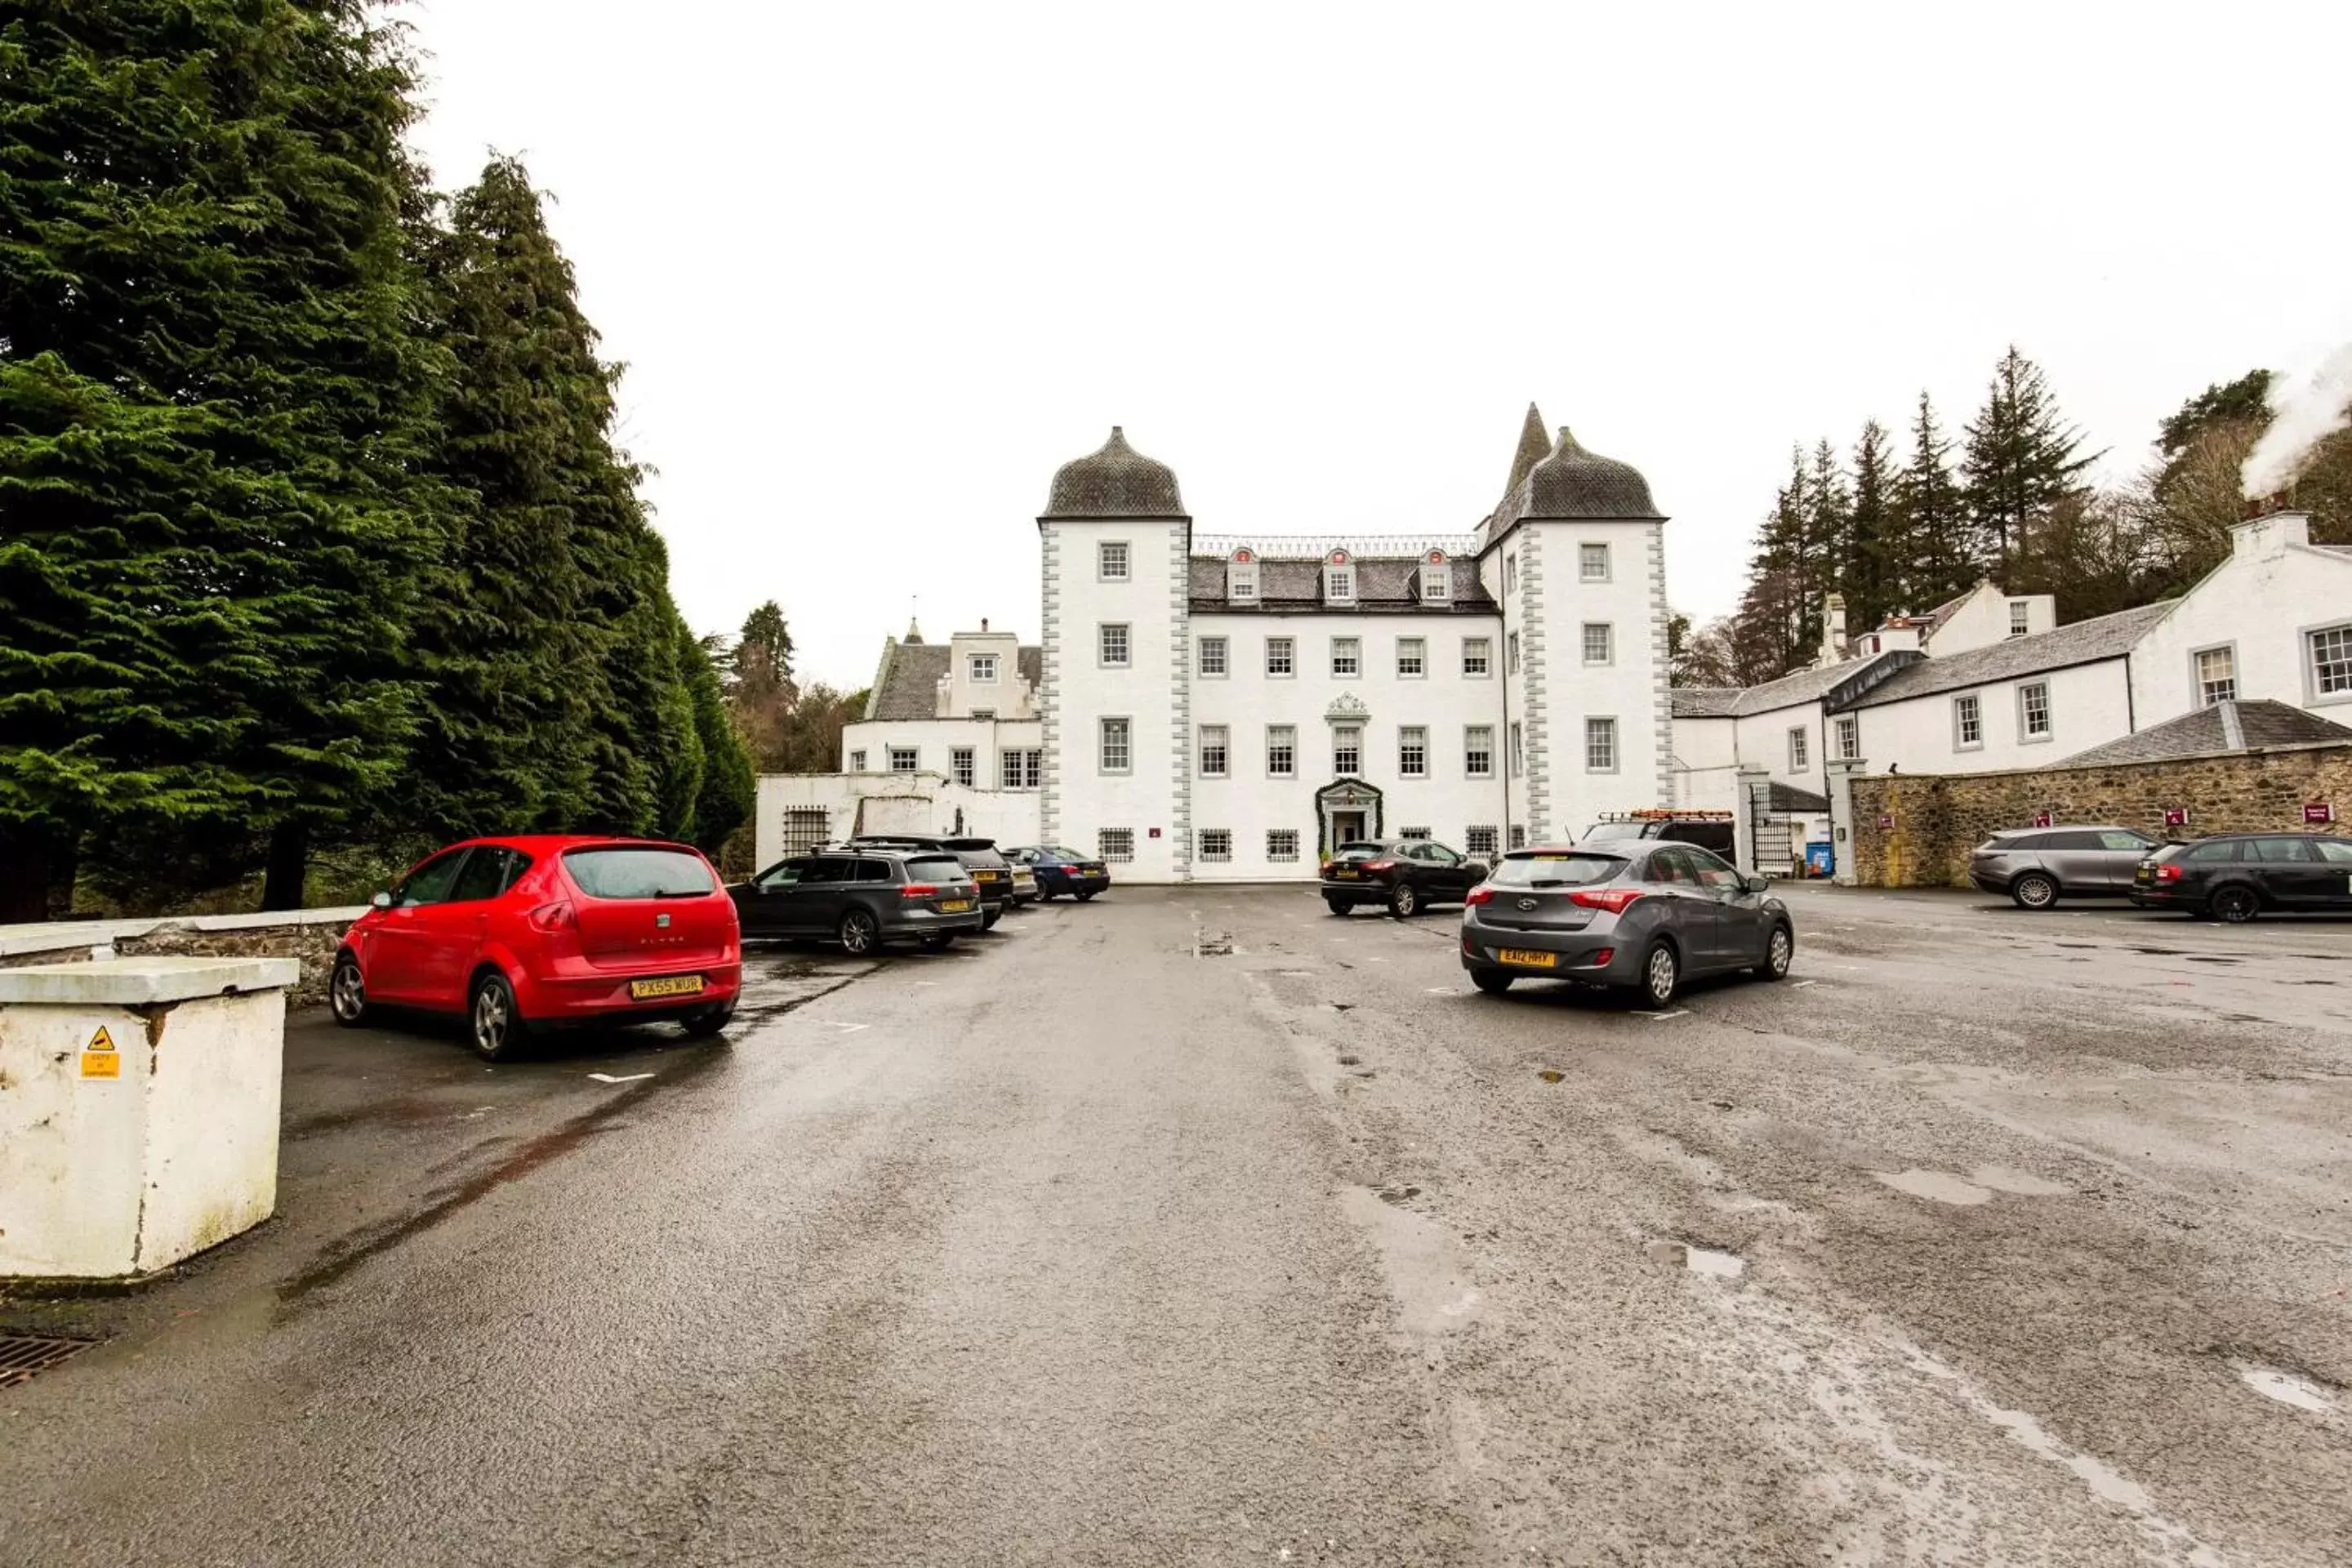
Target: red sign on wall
x=2319, y=811
x=2041, y=819
x=2175, y=816
x=1886, y=822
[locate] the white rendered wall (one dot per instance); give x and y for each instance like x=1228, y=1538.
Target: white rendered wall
x=1762, y=742
x=893, y=803
x=2089, y=706
x=1148, y=798
x=1706, y=763
x=1985, y=620
x=1007, y=696
x=1560, y=691
x=934, y=738
x=2265, y=599
x=1245, y=700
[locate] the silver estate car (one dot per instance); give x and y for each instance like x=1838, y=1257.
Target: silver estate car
x=1636, y=913
x=2038, y=866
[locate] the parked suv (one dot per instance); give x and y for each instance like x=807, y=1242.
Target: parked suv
x=524, y=931
x=1640, y=914
x=2234, y=876
x=863, y=898
x=1402, y=874
x=2038, y=866
x=1710, y=830
x=989, y=870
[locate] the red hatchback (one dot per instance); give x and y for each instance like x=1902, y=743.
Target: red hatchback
x=519, y=932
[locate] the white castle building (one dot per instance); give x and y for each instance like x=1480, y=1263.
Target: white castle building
x=1226, y=708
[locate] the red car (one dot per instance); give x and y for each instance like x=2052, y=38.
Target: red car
x=524, y=931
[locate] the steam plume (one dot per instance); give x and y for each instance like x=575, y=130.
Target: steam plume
x=2301, y=413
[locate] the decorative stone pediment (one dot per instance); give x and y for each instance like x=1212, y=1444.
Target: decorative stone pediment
x=1347, y=708
x=1346, y=795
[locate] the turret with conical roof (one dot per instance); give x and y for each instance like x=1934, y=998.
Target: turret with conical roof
x=1534, y=446
x=1115, y=482
x=1574, y=483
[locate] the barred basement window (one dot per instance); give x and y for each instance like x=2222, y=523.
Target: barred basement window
x=1518, y=835
x=1116, y=844
x=804, y=828
x=1212, y=656
x=1215, y=751
x=1282, y=844
x=1478, y=751
x=1478, y=657
x=1412, y=833
x=959, y=766
x=1216, y=844
x=1481, y=841
x=1413, y=753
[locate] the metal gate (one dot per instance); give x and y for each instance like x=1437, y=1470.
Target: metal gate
x=1768, y=830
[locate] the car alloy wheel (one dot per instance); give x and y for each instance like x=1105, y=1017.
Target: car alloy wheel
x=1404, y=902
x=347, y=993
x=1777, y=951
x=1660, y=973
x=2034, y=892
x=2235, y=906
x=857, y=932
x=495, y=1025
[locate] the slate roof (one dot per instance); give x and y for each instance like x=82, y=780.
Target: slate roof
x=1575, y=483
x=1788, y=797
x=1383, y=587
x=2224, y=728
x=908, y=685
x=1836, y=685
x=1703, y=701
x=2083, y=642
x=1115, y=480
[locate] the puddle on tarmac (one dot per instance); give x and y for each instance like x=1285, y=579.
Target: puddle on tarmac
x=1398, y=1195
x=2160, y=952
x=1350, y=1061
x=1698, y=1260
x=2208, y=958
x=2004, y=1179
x=1940, y=1185
x=1550, y=1075
x=2286, y=1387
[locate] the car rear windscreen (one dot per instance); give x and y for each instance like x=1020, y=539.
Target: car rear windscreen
x=1556, y=871
x=937, y=868
x=634, y=873
x=1615, y=830
x=1359, y=851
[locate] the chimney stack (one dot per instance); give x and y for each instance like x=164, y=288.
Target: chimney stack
x=1834, y=643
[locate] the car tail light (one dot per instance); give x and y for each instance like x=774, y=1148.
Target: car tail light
x=548, y=919
x=1603, y=956
x=2168, y=873
x=1380, y=865
x=1480, y=896
x=1616, y=900
x=919, y=890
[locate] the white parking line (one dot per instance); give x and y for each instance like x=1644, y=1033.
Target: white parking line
x=1802, y=983
x=837, y=1024
x=1661, y=1017
x=629, y=1077
x=1437, y=990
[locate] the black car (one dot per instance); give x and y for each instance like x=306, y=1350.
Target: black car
x=863, y=898
x=1710, y=830
x=1632, y=914
x=2036, y=866
x=1060, y=870
x=989, y=869
x=2234, y=876
x=1403, y=875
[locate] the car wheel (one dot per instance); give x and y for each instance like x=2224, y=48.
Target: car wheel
x=1088, y=897
x=2234, y=906
x=1493, y=982
x=1405, y=903
x=493, y=1023
x=939, y=941
x=988, y=921
x=711, y=1020
x=1662, y=972
x=1338, y=906
x=347, y=993
x=1779, y=948
x=859, y=934
x=2034, y=892
x=1044, y=894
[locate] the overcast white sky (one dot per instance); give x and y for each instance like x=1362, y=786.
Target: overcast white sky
x=877, y=270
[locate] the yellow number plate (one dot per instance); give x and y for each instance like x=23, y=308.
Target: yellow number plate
x=1346, y=876
x=1532, y=960
x=956, y=906
x=677, y=985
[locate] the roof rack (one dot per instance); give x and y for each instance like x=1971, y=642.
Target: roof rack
x=1656, y=814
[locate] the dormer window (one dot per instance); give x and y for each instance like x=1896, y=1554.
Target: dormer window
x=983, y=668
x=1240, y=577
x=1436, y=578
x=1338, y=578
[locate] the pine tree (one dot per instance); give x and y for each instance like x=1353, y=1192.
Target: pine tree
x=1931, y=525
x=2023, y=460
x=1829, y=531
x=1873, y=569
x=210, y=410
x=723, y=796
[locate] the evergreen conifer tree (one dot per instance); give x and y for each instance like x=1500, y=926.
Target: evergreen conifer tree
x=1931, y=520
x=2021, y=461
x=211, y=409
x=1873, y=567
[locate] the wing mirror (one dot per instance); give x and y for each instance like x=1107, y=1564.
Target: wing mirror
x=1758, y=883
x=381, y=901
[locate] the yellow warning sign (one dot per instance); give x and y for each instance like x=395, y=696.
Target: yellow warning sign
x=102, y=1064
x=100, y=1041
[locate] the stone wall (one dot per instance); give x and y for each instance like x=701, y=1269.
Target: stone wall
x=308, y=936
x=1939, y=817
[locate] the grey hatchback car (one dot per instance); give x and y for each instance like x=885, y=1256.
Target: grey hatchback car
x=2038, y=866
x=1636, y=913
x=862, y=898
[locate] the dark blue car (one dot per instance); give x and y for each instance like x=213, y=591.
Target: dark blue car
x=1061, y=870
